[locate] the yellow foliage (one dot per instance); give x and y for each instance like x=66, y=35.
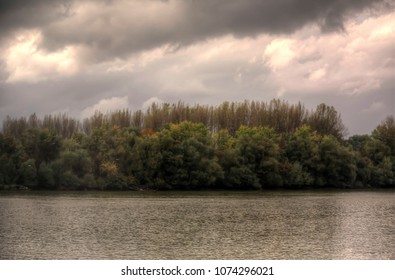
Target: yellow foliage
x=108, y=168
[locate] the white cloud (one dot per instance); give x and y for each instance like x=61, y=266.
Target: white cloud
x=318, y=74
x=137, y=62
x=279, y=53
x=150, y=101
x=25, y=62
x=106, y=106
x=384, y=30
x=352, y=63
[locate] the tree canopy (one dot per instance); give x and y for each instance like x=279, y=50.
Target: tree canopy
x=247, y=145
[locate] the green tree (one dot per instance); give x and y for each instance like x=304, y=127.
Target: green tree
x=382, y=174
x=376, y=151
x=298, y=176
x=385, y=132
x=187, y=156
x=259, y=152
x=45, y=177
x=42, y=145
x=27, y=173
x=358, y=142
x=337, y=166
x=145, y=160
x=302, y=151
x=11, y=157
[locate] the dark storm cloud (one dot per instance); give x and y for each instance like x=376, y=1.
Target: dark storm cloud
x=25, y=14
x=117, y=28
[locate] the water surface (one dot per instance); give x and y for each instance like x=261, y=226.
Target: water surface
x=200, y=225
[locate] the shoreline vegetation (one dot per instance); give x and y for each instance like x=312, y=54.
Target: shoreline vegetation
x=144, y=189
x=233, y=146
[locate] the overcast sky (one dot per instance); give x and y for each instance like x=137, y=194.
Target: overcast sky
x=75, y=57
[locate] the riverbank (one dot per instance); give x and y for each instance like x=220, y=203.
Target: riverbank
x=21, y=188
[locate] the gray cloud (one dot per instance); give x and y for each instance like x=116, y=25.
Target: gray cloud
x=25, y=14
x=117, y=28
x=3, y=71
x=71, y=94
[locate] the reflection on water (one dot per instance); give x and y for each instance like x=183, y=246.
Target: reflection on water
x=215, y=225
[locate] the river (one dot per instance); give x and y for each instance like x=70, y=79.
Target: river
x=198, y=225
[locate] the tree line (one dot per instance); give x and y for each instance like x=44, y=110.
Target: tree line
x=278, y=114
x=239, y=146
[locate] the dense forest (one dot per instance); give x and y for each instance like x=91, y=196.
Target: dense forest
x=238, y=146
